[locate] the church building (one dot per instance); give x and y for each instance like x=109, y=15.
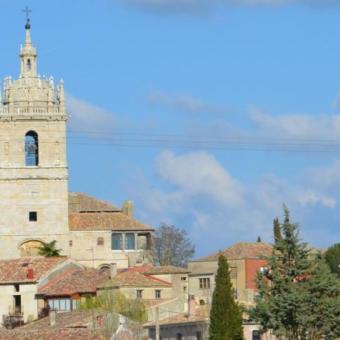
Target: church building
x=34, y=197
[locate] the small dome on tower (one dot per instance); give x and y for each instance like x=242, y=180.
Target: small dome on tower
x=28, y=24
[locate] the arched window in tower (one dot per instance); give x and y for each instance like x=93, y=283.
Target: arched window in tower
x=29, y=65
x=31, y=149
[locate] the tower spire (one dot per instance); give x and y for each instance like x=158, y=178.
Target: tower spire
x=28, y=54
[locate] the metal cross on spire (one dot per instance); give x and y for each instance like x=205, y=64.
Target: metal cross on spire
x=27, y=11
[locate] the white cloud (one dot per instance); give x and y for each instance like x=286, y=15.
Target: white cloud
x=88, y=118
x=199, y=173
x=186, y=103
x=296, y=125
x=196, y=190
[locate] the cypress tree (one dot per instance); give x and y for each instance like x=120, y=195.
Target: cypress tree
x=225, y=314
x=277, y=230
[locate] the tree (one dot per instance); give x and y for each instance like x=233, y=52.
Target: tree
x=323, y=303
x=171, y=246
x=277, y=230
x=115, y=302
x=297, y=295
x=48, y=249
x=332, y=257
x=225, y=314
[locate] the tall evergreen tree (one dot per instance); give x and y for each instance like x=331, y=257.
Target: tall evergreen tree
x=298, y=296
x=332, y=257
x=280, y=304
x=277, y=230
x=225, y=314
x=323, y=303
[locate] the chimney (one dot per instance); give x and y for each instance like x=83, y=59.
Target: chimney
x=52, y=316
x=191, y=306
x=127, y=208
x=30, y=273
x=113, y=270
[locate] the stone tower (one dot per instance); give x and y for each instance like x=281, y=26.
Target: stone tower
x=33, y=165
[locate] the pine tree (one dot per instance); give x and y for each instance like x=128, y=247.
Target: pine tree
x=225, y=314
x=277, y=230
x=298, y=297
x=281, y=302
x=323, y=303
x=332, y=257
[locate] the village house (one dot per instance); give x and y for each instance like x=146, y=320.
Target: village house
x=101, y=234
x=244, y=259
x=20, y=280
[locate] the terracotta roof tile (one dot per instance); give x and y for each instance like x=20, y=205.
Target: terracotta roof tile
x=242, y=250
x=74, y=281
x=200, y=314
x=134, y=279
x=16, y=270
x=105, y=221
x=82, y=202
x=166, y=270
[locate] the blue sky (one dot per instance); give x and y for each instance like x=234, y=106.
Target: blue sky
x=207, y=114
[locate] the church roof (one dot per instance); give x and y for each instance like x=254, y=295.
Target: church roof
x=27, y=269
x=88, y=213
x=80, y=202
x=242, y=250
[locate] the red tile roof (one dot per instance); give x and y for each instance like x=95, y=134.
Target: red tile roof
x=16, y=271
x=69, y=325
x=74, y=281
x=82, y=202
x=134, y=279
x=242, y=250
x=199, y=315
x=105, y=221
x=166, y=270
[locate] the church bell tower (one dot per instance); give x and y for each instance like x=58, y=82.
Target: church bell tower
x=33, y=165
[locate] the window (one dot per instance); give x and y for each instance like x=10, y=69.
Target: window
x=31, y=149
x=158, y=294
x=33, y=216
x=204, y=283
x=184, y=289
x=60, y=304
x=233, y=272
x=199, y=335
x=100, y=241
x=70, y=243
x=116, y=242
x=183, y=278
x=179, y=336
x=16, y=288
x=139, y=293
x=256, y=335
x=29, y=65
x=129, y=241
